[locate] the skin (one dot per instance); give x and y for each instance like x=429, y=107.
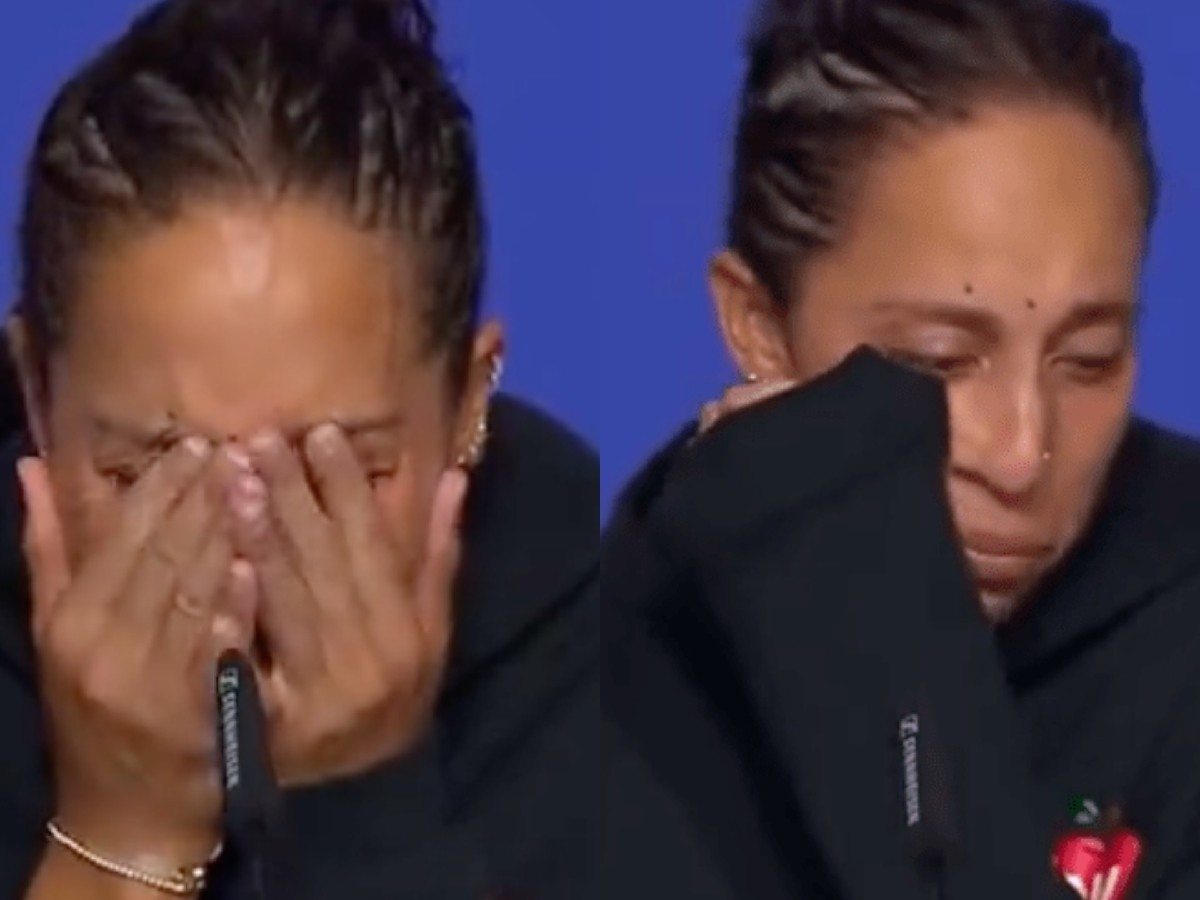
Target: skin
x=314, y=519
x=1004, y=255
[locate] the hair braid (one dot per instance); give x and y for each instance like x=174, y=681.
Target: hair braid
x=828, y=82
x=345, y=100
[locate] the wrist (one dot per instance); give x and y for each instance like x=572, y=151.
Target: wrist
x=135, y=862
x=137, y=841
x=63, y=874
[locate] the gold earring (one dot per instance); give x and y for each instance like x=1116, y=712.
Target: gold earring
x=473, y=455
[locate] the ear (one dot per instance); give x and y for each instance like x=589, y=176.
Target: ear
x=31, y=378
x=487, y=356
x=754, y=330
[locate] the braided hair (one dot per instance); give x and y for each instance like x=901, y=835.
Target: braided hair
x=829, y=82
x=345, y=101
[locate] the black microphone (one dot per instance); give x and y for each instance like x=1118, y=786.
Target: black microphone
x=251, y=792
x=930, y=816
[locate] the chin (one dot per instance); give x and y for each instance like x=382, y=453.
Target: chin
x=999, y=609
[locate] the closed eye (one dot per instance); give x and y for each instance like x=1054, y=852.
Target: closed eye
x=121, y=478
x=1094, y=368
x=945, y=366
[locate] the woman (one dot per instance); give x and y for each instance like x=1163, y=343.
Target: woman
x=257, y=393
x=889, y=629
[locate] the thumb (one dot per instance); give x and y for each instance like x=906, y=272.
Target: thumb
x=435, y=587
x=43, y=542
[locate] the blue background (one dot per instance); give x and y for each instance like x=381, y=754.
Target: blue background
x=605, y=130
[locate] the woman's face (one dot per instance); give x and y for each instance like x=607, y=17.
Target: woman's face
x=1004, y=255
x=238, y=318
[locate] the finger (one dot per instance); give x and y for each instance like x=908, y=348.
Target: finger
x=290, y=616
x=105, y=577
x=43, y=541
x=238, y=601
x=745, y=395
x=186, y=625
x=709, y=414
x=301, y=521
x=436, y=585
x=739, y=398
x=350, y=503
x=152, y=593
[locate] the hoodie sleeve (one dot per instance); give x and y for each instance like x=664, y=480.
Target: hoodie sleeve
x=24, y=801
x=816, y=536
x=346, y=840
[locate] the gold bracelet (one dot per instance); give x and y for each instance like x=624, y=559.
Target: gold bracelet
x=189, y=881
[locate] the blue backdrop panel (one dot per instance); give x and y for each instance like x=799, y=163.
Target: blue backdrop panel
x=605, y=131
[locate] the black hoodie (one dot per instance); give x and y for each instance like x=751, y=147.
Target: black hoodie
x=809, y=704
x=493, y=805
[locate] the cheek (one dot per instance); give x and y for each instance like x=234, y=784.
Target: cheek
x=405, y=502
x=1090, y=426
x=87, y=504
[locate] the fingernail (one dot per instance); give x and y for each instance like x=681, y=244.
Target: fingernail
x=239, y=458
x=249, y=509
x=325, y=438
x=266, y=443
x=197, y=447
x=228, y=633
x=251, y=487
x=242, y=581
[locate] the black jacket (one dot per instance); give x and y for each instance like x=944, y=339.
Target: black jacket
x=493, y=806
x=791, y=595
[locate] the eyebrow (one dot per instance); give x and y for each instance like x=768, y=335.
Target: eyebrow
x=1083, y=314
x=953, y=314
x=150, y=437
x=1096, y=313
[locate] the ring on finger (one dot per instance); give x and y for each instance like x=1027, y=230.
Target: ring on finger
x=189, y=606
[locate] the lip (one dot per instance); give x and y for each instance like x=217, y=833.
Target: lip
x=998, y=547
x=1000, y=574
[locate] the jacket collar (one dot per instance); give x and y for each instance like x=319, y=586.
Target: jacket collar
x=531, y=533
x=1145, y=537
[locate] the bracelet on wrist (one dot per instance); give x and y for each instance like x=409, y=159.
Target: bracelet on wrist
x=188, y=881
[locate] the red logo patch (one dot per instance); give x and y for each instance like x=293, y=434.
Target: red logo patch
x=1098, y=867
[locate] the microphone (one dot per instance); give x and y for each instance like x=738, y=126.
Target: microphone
x=250, y=791
x=928, y=804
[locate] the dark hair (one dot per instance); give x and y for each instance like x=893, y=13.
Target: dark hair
x=342, y=100
x=830, y=81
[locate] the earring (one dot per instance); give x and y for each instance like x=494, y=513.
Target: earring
x=752, y=378
x=473, y=455
x=496, y=373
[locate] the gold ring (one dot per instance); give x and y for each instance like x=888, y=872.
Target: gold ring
x=189, y=606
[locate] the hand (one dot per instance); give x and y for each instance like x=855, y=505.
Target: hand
x=125, y=651
x=739, y=397
x=356, y=648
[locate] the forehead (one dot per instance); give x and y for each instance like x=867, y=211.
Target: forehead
x=240, y=311
x=1021, y=202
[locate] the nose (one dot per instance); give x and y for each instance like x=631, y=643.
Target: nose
x=999, y=435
